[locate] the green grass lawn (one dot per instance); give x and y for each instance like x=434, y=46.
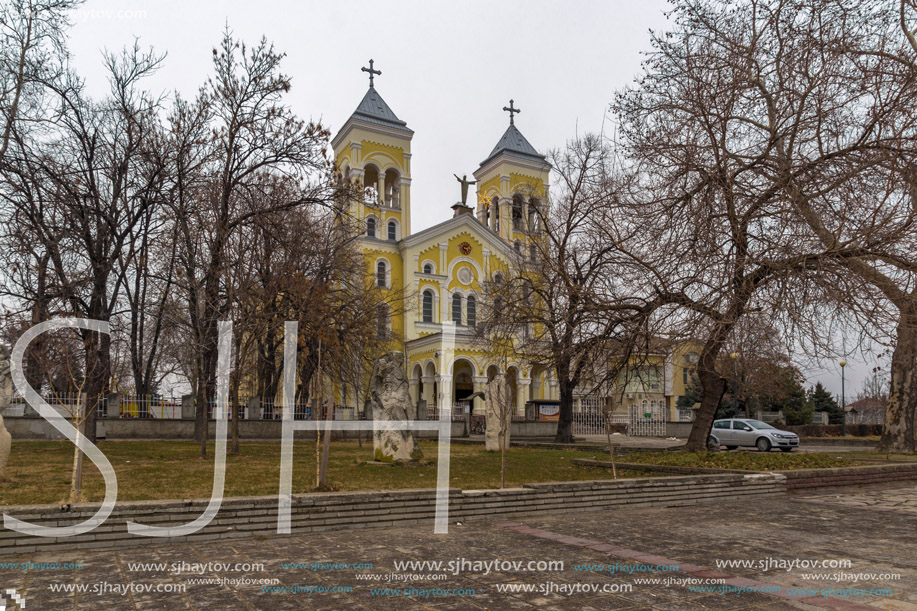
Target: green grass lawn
x=752, y=461
x=39, y=471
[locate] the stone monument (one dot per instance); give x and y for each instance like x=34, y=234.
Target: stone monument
x=390, y=400
x=497, y=407
x=6, y=395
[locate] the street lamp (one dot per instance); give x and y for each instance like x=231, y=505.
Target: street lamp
x=843, y=401
x=735, y=384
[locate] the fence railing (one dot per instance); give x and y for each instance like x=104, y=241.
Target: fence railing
x=684, y=415
x=148, y=406
x=455, y=413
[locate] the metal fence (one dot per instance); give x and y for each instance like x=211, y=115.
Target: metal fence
x=684, y=415
x=646, y=421
x=456, y=413
x=148, y=406
x=589, y=419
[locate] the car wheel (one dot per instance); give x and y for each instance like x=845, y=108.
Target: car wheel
x=731, y=447
x=712, y=444
x=787, y=449
x=763, y=445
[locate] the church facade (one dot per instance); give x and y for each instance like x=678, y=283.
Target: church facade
x=442, y=272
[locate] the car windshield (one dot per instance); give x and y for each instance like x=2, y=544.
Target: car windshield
x=757, y=424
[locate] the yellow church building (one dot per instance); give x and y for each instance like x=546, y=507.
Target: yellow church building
x=443, y=271
x=443, y=274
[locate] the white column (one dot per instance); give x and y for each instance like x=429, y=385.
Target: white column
x=445, y=392
x=480, y=385
x=428, y=391
x=553, y=393
x=522, y=393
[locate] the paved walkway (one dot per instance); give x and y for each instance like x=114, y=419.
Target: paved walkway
x=863, y=536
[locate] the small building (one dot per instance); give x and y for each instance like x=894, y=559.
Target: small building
x=870, y=410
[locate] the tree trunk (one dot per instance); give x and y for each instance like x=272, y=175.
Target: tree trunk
x=900, y=432
x=713, y=387
x=98, y=376
x=565, y=417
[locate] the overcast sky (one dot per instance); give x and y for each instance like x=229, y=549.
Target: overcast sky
x=448, y=68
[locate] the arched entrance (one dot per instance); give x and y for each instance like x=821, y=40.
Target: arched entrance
x=462, y=379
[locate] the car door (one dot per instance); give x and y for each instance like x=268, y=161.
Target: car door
x=723, y=432
x=742, y=433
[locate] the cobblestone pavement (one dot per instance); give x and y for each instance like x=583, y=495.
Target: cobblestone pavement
x=901, y=498
x=868, y=532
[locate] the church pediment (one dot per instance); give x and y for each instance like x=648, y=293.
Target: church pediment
x=463, y=223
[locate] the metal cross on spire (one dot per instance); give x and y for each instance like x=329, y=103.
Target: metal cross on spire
x=371, y=73
x=511, y=111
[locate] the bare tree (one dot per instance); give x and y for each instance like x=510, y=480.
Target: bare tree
x=729, y=121
x=571, y=302
x=80, y=194
x=33, y=54
x=236, y=136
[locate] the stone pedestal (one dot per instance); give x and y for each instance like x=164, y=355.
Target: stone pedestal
x=187, y=407
x=6, y=442
x=422, y=410
x=391, y=401
x=254, y=408
x=499, y=413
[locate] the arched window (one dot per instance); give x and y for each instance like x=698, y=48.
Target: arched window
x=371, y=227
x=382, y=321
x=644, y=406
x=457, y=309
x=533, y=215
x=495, y=213
x=527, y=290
x=427, y=306
x=390, y=196
x=498, y=279
x=498, y=308
x=471, y=311
x=381, y=274
x=392, y=230
x=371, y=195
x=428, y=268
x=533, y=253
x=517, y=212
x=518, y=246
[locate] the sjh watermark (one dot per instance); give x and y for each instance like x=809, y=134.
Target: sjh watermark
x=82, y=15
x=284, y=501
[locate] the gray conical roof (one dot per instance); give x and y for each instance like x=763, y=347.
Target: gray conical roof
x=374, y=109
x=514, y=143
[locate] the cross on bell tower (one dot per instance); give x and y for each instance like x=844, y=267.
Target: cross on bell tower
x=508, y=109
x=374, y=72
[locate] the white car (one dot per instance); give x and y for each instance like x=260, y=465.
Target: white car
x=735, y=432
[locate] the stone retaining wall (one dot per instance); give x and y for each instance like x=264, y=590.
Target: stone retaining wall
x=849, y=476
x=251, y=516
x=636, y=466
